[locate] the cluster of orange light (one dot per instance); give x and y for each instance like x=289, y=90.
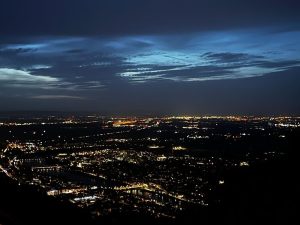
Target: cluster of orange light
x=120, y=123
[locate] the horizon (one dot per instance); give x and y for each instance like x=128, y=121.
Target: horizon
x=100, y=114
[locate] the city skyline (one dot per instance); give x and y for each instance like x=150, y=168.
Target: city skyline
x=147, y=170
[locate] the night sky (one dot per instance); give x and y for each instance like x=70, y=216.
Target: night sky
x=151, y=57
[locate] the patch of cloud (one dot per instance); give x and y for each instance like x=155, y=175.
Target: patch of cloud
x=147, y=71
x=210, y=66
x=127, y=44
x=57, y=97
x=15, y=51
x=29, y=46
x=8, y=74
x=17, y=78
x=166, y=58
x=96, y=64
x=38, y=67
x=228, y=57
x=93, y=84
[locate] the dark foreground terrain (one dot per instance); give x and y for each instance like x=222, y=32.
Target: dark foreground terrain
x=264, y=194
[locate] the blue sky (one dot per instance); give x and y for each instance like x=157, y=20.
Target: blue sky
x=48, y=68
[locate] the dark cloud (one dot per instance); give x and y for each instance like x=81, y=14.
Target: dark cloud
x=75, y=51
x=280, y=65
x=119, y=17
x=14, y=52
x=227, y=57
